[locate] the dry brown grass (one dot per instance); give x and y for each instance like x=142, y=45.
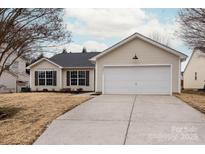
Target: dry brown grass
x=196, y=100
x=31, y=113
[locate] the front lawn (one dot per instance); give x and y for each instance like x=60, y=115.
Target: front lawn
x=195, y=99
x=24, y=116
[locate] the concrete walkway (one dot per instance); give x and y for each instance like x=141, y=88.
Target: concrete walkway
x=128, y=119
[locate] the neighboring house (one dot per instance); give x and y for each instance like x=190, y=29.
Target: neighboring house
x=15, y=78
x=136, y=65
x=65, y=70
x=8, y=82
x=194, y=73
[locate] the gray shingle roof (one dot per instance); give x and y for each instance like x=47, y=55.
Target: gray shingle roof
x=74, y=59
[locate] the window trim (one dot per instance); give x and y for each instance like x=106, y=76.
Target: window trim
x=52, y=78
x=45, y=79
x=42, y=78
x=78, y=77
x=82, y=78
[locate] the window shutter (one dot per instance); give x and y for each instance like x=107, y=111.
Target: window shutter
x=36, y=78
x=195, y=75
x=54, y=78
x=68, y=78
x=87, y=78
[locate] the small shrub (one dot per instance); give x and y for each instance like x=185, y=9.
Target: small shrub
x=65, y=90
x=79, y=90
x=97, y=93
x=45, y=90
x=25, y=89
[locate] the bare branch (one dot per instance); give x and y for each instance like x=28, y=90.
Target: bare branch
x=164, y=39
x=24, y=31
x=192, y=23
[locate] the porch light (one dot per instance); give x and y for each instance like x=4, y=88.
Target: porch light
x=135, y=57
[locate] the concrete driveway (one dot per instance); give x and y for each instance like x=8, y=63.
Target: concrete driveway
x=128, y=119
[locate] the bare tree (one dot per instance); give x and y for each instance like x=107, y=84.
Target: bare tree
x=37, y=58
x=164, y=39
x=192, y=23
x=26, y=31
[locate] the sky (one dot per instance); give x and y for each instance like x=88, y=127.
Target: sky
x=98, y=29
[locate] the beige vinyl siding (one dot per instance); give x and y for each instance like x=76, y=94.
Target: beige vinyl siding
x=9, y=81
x=196, y=64
x=147, y=54
x=19, y=71
x=61, y=77
x=43, y=66
x=85, y=88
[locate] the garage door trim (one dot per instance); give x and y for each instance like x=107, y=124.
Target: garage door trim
x=137, y=65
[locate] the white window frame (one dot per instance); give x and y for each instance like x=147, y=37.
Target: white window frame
x=45, y=79
x=74, y=78
x=84, y=78
x=39, y=78
x=78, y=77
x=49, y=78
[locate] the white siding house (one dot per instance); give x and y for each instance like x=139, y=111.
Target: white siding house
x=63, y=71
x=194, y=73
x=15, y=78
x=136, y=65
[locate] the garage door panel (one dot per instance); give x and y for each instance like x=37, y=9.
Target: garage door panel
x=137, y=80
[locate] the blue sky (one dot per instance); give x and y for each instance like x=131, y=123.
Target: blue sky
x=98, y=29
x=164, y=14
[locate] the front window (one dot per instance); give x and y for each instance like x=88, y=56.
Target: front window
x=46, y=78
x=81, y=78
x=78, y=78
x=74, y=78
x=41, y=78
x=49, y=78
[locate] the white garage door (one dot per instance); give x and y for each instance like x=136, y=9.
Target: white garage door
x=137, y=80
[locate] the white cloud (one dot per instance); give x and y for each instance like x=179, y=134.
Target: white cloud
x=104, y=24
x=94, y=46
x=89, y=45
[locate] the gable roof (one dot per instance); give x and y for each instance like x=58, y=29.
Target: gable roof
x=69, y=60
x=146, y=39
x=202, y=49
x=74, y=59
x=12, y=73
x=43, y=59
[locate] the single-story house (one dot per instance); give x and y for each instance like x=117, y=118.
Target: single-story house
x=63, y=71
x=194, y=73
x=135, y=65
